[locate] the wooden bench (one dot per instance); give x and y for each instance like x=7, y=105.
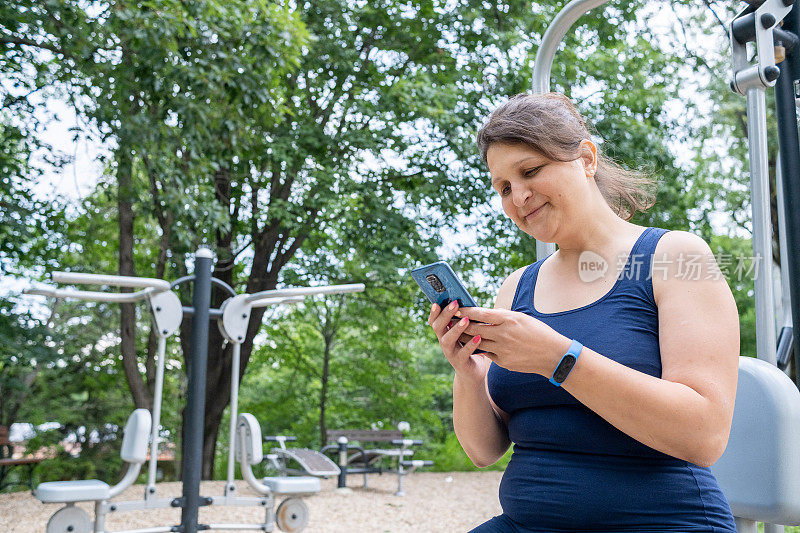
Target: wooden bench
x=356, y=459
x=8, y=462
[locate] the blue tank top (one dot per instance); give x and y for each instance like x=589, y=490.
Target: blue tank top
x=573, y=471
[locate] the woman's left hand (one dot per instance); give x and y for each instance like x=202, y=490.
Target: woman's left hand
x=516, y=341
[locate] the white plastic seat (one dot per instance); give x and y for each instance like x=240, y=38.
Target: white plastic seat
x=72, y=491
x=133, y=452
x=759, y=473
x=248, y=452
x=292, y=485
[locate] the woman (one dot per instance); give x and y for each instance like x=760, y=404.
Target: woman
x=616, y=387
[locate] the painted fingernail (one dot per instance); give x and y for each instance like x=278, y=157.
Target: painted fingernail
x=453, y=305
x=476, y=339
x=464, y=321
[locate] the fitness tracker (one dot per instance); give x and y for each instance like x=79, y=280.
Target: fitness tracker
x=568, y=361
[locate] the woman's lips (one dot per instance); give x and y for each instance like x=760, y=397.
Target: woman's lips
x=533, y=214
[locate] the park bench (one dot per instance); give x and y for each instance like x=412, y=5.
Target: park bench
x=8, y=462
x=393, y=457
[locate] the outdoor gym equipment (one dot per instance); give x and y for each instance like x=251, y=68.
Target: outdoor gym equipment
x=759, y=472
x=71, y=518
x=233, y=327
x=167, y=314
x=310, y=462
x=354, y=459
x=245, y=432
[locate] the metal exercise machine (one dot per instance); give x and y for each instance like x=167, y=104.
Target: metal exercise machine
x=167, y=314
x=245, y=432
x=760, y=470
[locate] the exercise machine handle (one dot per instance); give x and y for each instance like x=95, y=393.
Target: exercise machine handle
x=304, y=291
x=81, y=278
x=94, y=296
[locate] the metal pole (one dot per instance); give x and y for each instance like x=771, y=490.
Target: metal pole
x=789, y=145
x=543, y=64
x=762, y=226
x=230, y=487
x=151, y=472
x=196, y=391
x=341, y=482
x=785, y=336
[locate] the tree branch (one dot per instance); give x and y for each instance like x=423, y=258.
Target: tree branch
x=24, y=41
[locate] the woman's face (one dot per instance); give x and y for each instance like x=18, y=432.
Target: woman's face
x=540, y=195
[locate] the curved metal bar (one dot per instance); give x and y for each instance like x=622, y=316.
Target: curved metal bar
x=305, y=291
x=543, y=64
x=94, y=296
x=220, y=283
x=128, y=479
x=552, y=38
x=214, y=281
x=179, y=281
x=80, y=278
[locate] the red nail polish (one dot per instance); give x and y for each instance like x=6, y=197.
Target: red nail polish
x=476, y=339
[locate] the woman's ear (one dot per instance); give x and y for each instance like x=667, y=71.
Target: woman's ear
x=588, y=157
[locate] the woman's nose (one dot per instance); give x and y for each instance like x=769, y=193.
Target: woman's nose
x=520, y=195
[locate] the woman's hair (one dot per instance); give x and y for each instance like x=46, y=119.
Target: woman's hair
x=550, y=124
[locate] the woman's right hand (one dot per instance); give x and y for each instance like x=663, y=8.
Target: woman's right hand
x=458, y=347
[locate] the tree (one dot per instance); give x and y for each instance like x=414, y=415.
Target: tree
x=383, y=102
x=144, y=73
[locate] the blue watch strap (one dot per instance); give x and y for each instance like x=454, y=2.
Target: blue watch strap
x=564, y=366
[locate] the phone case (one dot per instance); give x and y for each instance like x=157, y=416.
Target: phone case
x=441, y=285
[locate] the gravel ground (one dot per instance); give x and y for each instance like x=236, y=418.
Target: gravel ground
x=434, y=502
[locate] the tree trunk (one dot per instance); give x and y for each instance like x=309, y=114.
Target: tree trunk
x=323, y=394
x=141, y=398
x=263, y=276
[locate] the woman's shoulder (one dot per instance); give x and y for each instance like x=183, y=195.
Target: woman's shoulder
x=681, y=256
x=677, y=245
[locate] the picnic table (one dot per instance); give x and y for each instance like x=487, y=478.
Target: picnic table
x=10, y=459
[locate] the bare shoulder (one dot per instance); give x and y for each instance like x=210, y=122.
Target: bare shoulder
x=679, y=257
x=677, y=241
x=505, y=296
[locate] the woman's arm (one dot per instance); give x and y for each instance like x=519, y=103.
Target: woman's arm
x=687, y=412
x=480, y=425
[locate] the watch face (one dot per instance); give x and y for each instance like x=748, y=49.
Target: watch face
x=562, y=371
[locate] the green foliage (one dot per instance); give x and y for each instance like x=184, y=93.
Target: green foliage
x=448, y=456
x=734, y=256
x=26, y=349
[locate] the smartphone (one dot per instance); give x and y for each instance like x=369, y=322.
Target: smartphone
x=441, y=285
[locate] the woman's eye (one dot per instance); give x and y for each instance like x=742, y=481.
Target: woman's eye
x=532, y=172
x=505, y=191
